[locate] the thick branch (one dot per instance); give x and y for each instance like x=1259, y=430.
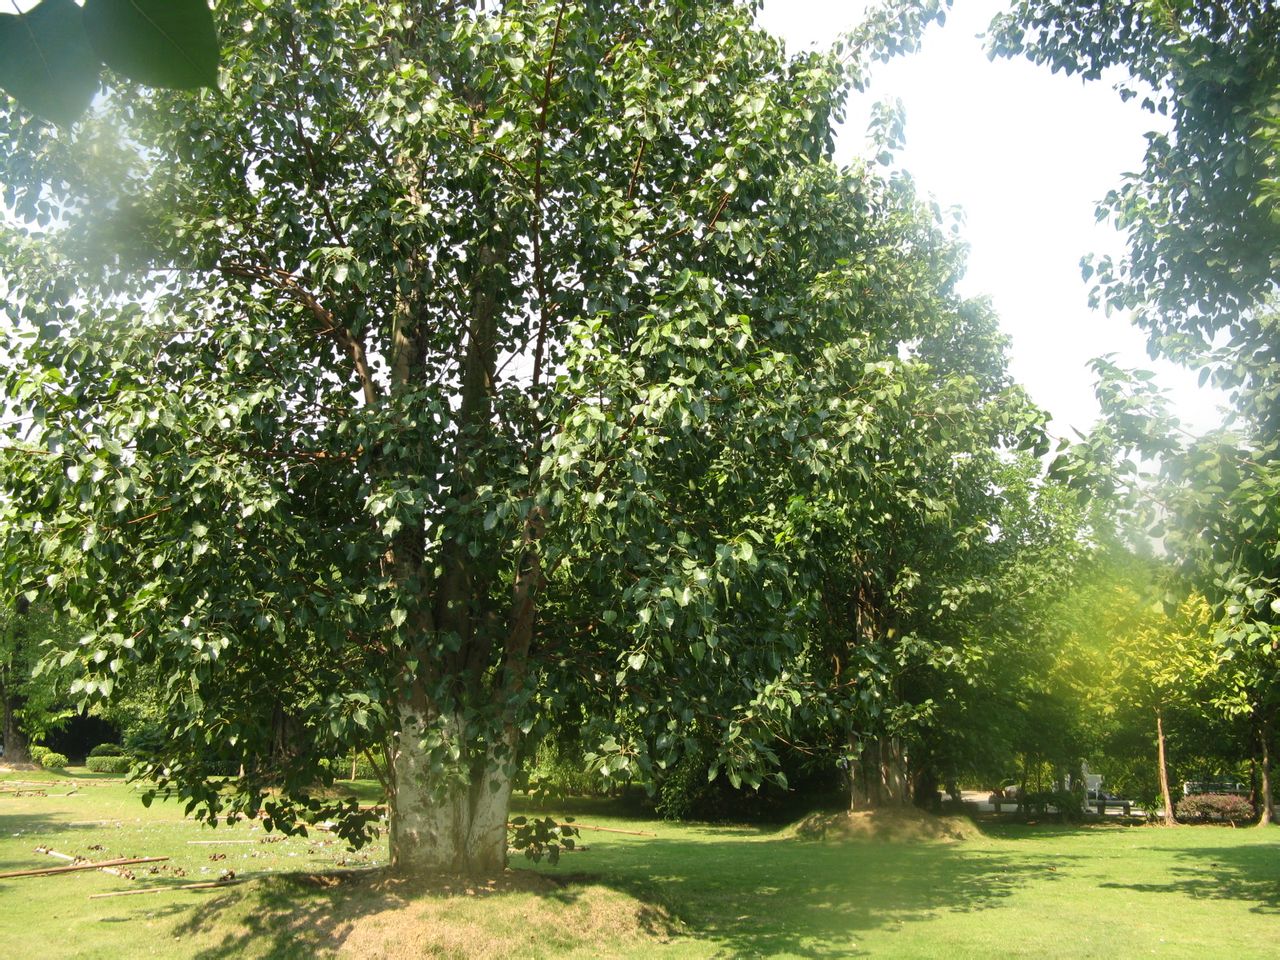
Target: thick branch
x=288, y=284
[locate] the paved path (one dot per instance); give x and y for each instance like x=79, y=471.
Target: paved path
x=978, y=798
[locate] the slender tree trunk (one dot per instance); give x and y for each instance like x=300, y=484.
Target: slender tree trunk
x=1266, y=812
x=1169, y=820
x=16, y=746
x=858, y=798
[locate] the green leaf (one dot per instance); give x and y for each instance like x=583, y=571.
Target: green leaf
x=46, y=63
x=162, y=43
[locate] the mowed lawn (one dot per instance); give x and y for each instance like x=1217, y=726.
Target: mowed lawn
x=678, y=890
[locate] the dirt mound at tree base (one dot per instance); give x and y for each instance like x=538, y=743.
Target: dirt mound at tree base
x=889, y=824
x=524, y=913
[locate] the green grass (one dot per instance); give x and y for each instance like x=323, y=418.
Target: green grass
x=689, y=891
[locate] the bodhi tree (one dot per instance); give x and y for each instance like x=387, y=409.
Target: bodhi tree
x=297, y=425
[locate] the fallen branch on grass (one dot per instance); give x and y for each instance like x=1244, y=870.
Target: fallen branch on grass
x=98, y=865
x=210, y=843
x=207, y=885
x=114, y=871
x=630, y=833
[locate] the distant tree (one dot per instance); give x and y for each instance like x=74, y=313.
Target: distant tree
x=1201, y=277
x=34, y=689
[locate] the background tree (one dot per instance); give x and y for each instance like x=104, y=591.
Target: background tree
x=1200, y=276
x=34, y=688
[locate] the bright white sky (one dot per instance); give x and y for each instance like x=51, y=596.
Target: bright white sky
x=1027, y=155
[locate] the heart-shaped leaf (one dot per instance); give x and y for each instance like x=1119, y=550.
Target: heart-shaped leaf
x=162, y=43
x=46, y=62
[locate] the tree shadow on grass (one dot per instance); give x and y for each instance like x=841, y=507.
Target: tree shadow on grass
x=743, y=892
x=289, y=915
x=817, y=899
x=760, y=897
x=1243, y=874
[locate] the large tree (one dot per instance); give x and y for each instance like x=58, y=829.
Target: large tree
x=362, y=400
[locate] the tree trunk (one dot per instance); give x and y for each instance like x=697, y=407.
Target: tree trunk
x=457, y=827
x=15, y=741
x=1169, y=820
x=1266, y=812
x=878, y=776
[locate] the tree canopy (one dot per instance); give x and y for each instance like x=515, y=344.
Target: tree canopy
x=453, y=365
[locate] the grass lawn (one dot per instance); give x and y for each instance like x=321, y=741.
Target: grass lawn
x=687, y=891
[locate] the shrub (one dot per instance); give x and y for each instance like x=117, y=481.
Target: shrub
x=108, y=764
x=52, y=761
x=107, y=750
x=560, y=770
x=38, y=753
x=1068, y=804
x=683, y=792
x=1204, y=807
x=340, y=768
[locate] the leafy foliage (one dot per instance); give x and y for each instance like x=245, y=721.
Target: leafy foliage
x=437, y=381
x=543, y=837
x=1203, y=235
x=1200, y=274
x=112, y=764
x=51, y=56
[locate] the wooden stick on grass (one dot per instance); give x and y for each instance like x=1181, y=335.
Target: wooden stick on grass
x=114, y=871
x=630, y=833
x=121, y=862
x=207, y=885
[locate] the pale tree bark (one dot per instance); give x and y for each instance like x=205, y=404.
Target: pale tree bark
x=1169, y=819
x=458, y=826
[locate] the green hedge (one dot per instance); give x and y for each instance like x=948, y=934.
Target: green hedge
x=51, y=761
x=108, y=764
x=107, y=750
x=37, y=753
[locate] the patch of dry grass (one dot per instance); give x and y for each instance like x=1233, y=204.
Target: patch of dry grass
x=523, y=915
x=890, y=825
